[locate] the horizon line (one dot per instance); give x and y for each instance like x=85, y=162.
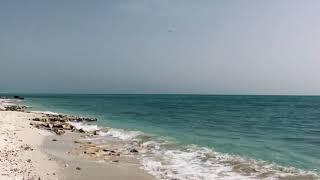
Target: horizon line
x=199, y=94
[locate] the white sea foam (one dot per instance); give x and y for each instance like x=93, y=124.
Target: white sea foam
x=9, y=102
x=204, y=164
x=122, y=134
x=188, y=165
x=166, y=161
x=46, y=112
x=85, y=127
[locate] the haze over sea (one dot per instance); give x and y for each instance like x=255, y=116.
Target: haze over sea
x=204, y=135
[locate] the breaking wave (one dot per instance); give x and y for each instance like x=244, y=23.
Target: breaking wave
x=167, y=160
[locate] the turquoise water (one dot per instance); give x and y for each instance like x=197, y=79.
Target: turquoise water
x=277, y=129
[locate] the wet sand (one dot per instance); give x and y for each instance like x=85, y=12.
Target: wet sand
x=70, y=156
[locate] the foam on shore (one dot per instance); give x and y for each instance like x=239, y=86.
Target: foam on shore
x=45, y=112
x=8, y=102
x=166, y=160
x=85, y=127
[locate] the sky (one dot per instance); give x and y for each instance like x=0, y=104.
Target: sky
x=160, y=46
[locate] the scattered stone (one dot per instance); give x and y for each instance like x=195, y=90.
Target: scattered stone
x=15, y=108
x=29, y=160
x=96, y=132
x=59, y=131
x=134, y=150
x=59, y=123
x=27, y=148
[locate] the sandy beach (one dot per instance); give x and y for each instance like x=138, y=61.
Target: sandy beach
x=20, y=146
x=28, y=152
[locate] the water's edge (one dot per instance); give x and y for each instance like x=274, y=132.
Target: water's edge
x=165, y=159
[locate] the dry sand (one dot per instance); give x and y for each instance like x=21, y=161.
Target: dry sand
x=20, y=154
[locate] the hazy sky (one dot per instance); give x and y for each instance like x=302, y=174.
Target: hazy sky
x=160, y=46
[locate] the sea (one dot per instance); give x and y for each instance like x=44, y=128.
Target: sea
x=205, y=137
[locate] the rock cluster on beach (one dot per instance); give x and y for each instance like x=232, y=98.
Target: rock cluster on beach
x=59, y=124
x=15, y=108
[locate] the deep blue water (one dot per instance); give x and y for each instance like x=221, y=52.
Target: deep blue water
x=280, y=129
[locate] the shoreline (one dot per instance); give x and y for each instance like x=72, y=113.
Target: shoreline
x=30, y=152
x=82, y=150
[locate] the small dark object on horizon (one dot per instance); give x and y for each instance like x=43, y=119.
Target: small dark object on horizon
x=18, y=97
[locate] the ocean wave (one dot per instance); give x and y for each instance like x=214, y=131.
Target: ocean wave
x=121, y=134
x=167, y=160
x=196, y=163
x=9, y=102
x=85, y=127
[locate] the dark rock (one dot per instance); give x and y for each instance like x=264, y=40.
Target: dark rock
x=134, y=150
x=59, y=131
x=54, y=139
x=27, y=148
x=15, y=108
x=81, y=119
x=36, y=119
x=78, y=168
x=18, y=97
